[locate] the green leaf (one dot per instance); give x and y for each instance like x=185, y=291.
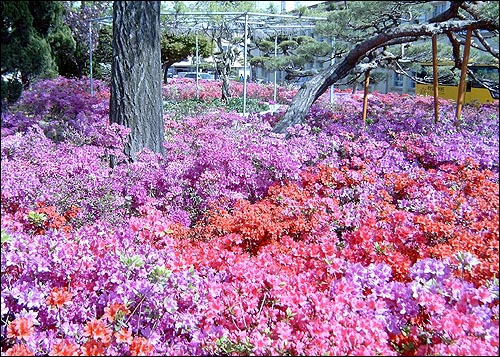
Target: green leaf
x=5, y=237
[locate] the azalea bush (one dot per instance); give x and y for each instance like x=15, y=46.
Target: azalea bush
x=193, y=107
x=185, y=88
x=348, y=237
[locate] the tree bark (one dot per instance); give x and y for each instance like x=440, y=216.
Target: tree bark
x=224, y=67
x=136, y=75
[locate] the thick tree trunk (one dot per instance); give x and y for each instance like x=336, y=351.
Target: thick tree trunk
x=308, y=93
x=136, y=75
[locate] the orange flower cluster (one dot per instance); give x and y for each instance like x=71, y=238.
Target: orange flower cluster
x=385, y=232
x=18, y=350
x=20, y=328
x=115, y=311
x=64, y=348
x=289, y=210
x=99, y=333
x=53, y=219
x=477, y=228
x=59, y=297
x=140, y=346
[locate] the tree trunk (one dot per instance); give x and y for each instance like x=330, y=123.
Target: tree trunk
x=307, y=95
x=136, y=76
x=166, y=67
x=223, y=63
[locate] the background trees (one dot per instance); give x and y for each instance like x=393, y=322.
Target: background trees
x=293, y=52
x=227, y=41
x=370, y=35
x=176, y=47
x=26, y=52
x=77, y=15
x=42, y=39
x=136, y=93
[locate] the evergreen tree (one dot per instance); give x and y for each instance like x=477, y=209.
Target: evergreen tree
x=77, y=16
x=26, y=52
x=177, y=47
x=293, y=53
x=369, y=34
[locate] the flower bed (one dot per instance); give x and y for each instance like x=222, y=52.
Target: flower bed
x=343, y=239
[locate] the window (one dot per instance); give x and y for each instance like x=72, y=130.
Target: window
x=397, y=80
x=438, y=9
x=412, y=82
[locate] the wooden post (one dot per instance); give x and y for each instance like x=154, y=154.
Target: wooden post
x=365, y=97
x=461, y=84
x=435, y=78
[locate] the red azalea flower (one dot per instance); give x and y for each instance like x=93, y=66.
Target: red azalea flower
x=64, y=348
x=97, y=329
x=140, y=346
x=20, y=328
x=111, y=311
x=59, y=297
x=93, y=348
x=18, y=350
x=124, y=336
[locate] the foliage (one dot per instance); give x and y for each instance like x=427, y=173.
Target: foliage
x=48, y=19
x=180, y=89
x=192, y=107
x=76, y=16
x=344, y=239
x=175, y=48
x=221, y=6
x=11, y=90
x=236, y=104
x=62, y=46
x=25, y=50
x=293, y=52
x=103, y=55
x=39, y=40
x=490, y=11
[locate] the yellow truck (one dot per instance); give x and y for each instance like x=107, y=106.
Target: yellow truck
x=474, y=91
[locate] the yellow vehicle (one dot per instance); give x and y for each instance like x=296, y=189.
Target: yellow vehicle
x=448, y=82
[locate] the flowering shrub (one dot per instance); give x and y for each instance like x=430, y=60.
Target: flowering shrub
x=179, y=89
x=376, y=238
x=64, y=109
